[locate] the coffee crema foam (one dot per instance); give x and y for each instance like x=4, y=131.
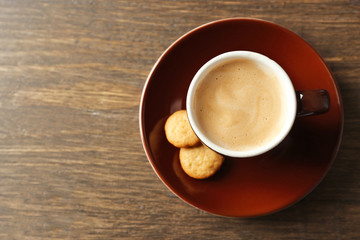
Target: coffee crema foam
x=239, y=105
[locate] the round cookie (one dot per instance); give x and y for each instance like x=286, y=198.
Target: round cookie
x=179, y=132
x=200, y=162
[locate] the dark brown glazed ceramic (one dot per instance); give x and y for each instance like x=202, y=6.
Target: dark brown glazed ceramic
x=254, y=186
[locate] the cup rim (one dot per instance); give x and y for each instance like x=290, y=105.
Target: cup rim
x=283, y=78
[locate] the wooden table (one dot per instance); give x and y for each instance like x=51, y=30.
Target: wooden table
x=72, y=164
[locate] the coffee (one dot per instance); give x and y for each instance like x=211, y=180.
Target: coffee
x=239, y=105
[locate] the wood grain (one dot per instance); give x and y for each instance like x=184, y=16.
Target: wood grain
x=72, y=163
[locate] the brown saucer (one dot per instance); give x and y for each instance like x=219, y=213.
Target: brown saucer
x=251, y=186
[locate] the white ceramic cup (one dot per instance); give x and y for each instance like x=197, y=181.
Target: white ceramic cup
x=288, y=92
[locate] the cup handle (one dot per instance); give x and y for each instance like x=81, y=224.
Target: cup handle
x=312, y=102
